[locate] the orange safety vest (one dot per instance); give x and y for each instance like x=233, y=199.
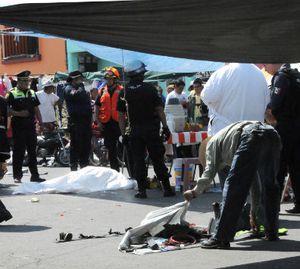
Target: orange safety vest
x=108, y=108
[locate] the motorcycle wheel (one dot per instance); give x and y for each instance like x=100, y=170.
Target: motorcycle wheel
x=63, y=157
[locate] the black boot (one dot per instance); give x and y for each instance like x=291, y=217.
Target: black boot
x=168, y=192
x=4, y=213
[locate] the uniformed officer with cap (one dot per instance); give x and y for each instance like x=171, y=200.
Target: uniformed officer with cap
x=80, y=120
x=4, y=154
x=23, y=107
x=144, y=110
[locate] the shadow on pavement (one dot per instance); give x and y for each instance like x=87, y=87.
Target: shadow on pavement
x=287, y=263
x=155, y=198
x=283, y=245
x=22, y=228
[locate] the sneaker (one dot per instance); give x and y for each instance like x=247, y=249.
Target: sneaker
x=215, y=243
x=17, y=180
x=38, y=179
x=141, y=195
x=294, y=210
x=169, y=194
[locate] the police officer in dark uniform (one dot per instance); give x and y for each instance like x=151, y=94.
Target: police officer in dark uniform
x=23, y=107
x=144, y=110
x=285, y=107
x=4, y=154
x=80, y=119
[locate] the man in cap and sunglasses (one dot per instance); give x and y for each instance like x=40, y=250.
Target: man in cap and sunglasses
x=23, y=107
x=79, y=121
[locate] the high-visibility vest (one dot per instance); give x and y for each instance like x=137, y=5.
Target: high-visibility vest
x=17, y=94
x=108, y=107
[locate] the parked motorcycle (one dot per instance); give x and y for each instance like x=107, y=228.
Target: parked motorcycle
x=53, y=144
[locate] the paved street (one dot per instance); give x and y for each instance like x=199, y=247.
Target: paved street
x=28, y=240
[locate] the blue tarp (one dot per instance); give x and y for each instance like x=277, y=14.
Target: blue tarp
x=154, y=62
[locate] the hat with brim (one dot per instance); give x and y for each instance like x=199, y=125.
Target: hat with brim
x=23, y=76
x=75, y=74
x=49, y=83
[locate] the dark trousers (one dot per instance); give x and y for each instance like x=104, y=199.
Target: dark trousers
x=4, y=146
x=142, y=139
x=290, y=157
x=111, y=139
x=258, y=151
x=80, y=147
x=24, y=139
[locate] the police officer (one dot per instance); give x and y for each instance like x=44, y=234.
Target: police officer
x=107, y=114
x=284, y=106
x=80, y=119
x=23, y=107
x=145, y=112
x=4, y=154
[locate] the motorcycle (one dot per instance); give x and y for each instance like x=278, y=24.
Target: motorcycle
x=52, y=144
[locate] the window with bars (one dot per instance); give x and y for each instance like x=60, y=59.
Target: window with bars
x=19, y=48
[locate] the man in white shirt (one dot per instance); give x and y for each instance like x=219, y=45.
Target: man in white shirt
x=178, y=93
x=233, y=93
x=48, y=100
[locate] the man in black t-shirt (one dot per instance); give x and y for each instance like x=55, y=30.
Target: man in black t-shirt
x=4, y=154
x=23, y=107
x=144, y=110
x=284, y=112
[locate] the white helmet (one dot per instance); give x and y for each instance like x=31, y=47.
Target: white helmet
x=135, y=68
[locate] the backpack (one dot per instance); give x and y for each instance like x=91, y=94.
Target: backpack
x=291, y=105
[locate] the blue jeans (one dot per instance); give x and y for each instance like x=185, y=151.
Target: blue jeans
x=258, y=151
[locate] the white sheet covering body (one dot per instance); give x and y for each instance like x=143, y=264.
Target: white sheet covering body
x=87, y=180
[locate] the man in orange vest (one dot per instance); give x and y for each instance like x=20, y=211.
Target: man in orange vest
x=107, y=114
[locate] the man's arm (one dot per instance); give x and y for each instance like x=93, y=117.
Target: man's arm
x=212, y=90
x=38, y=114
x=162, y=116
x=122, y=122
x=211, y=168
x=279, y=88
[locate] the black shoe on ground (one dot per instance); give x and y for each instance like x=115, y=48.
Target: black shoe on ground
x=38, y=179
x=214, y=243
x=141, y=195
x=17, y=180
x=294, y=210
x=169, y=193
x=5, y=215
x=271, y=237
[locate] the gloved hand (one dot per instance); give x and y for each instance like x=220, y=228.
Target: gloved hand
x=125, y=139
x=166, y=133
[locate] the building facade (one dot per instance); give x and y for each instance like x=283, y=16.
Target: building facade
x=39, y=55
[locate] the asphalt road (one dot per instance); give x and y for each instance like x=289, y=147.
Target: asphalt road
x=29, y=239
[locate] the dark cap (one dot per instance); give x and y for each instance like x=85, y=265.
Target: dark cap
x=75, y=74
x=24, y=75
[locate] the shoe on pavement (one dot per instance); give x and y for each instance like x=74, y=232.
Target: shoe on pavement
x=141, y=195
x=4, y=213
x=38, y=179
x=271, y=237
x=17, y=180
x=215, y=243
x=294, y=210
x=169, y=194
